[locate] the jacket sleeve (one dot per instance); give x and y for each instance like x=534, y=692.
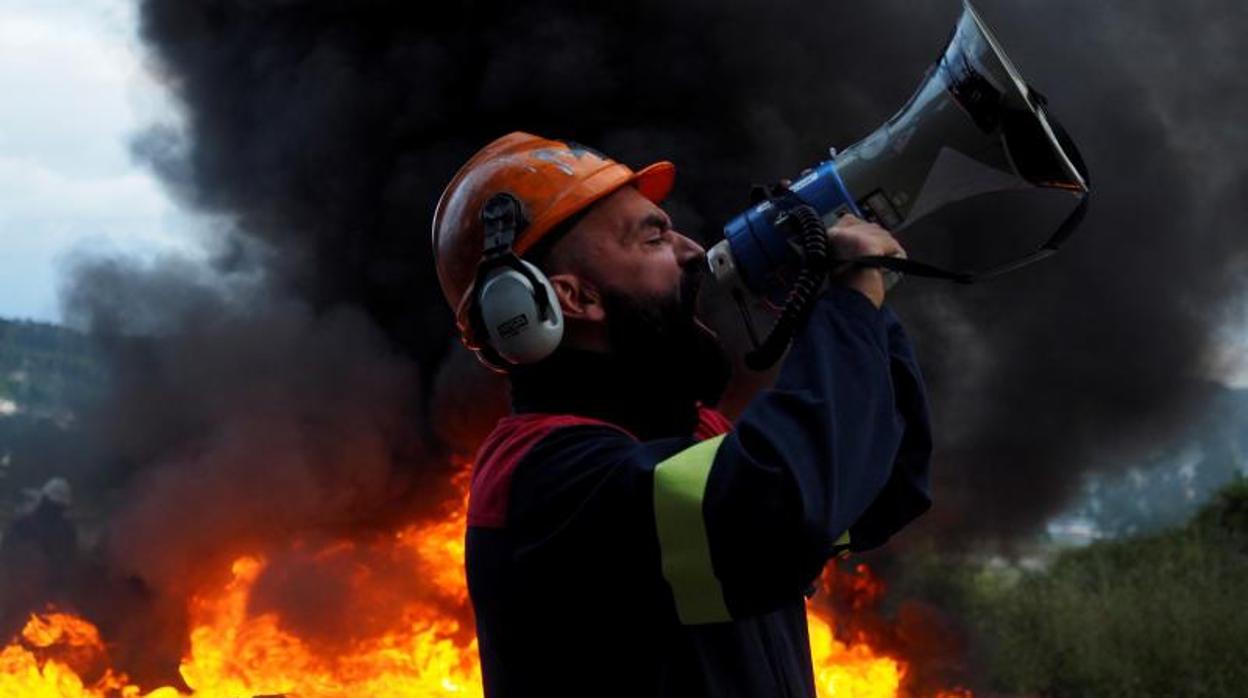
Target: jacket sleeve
x=741, y=523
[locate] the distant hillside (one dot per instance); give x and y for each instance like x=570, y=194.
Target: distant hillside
x=44, y=368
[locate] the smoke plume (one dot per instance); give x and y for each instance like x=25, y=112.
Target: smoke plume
x=329, y=132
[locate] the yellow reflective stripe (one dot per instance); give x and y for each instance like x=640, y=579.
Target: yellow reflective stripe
x=841, y=546
x=679, y=487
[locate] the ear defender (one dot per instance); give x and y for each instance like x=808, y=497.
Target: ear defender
x=515, y=304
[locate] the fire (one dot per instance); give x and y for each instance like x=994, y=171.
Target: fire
x=850, y=667
x=237, y=654
x=424, y=651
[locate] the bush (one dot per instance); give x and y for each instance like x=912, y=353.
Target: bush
x=1164, y=615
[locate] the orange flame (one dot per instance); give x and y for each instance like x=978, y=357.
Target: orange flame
x=853, y=667
x=236, y=652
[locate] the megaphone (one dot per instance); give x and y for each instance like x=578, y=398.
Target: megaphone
x=974, y=126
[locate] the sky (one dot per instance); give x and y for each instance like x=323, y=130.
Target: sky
x=73, y=91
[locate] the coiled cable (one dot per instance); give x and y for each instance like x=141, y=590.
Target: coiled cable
x=801, y=297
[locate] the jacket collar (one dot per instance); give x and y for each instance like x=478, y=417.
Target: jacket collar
x=596, y=385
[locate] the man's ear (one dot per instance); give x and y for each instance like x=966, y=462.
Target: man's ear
x=579, y=299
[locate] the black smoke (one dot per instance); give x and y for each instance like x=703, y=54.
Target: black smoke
x=304, y=379
x=328, y=130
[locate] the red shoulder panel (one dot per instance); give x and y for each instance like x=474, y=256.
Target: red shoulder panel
x=498, y=456
x=711, y=423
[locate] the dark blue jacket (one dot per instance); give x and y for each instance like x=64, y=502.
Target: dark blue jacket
x=623, y=544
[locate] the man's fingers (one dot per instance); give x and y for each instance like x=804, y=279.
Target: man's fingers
x=853, y=237
x=847, y=220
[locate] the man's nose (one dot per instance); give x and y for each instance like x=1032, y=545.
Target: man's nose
x=688, y=252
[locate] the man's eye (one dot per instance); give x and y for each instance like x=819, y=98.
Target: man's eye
x=657, y=240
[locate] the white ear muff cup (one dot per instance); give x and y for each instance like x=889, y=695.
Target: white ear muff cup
x=520, y=330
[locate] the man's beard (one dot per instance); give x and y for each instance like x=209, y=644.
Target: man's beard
x=659, y=340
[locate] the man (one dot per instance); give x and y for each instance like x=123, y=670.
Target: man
x=625, y=539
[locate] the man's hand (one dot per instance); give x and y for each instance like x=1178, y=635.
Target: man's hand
x=852, y=238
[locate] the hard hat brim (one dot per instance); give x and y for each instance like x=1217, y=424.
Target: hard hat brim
x=655, y=182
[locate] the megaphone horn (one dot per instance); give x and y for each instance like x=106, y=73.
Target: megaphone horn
x=973, y=126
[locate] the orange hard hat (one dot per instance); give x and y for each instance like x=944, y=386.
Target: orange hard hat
x=552, y=180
